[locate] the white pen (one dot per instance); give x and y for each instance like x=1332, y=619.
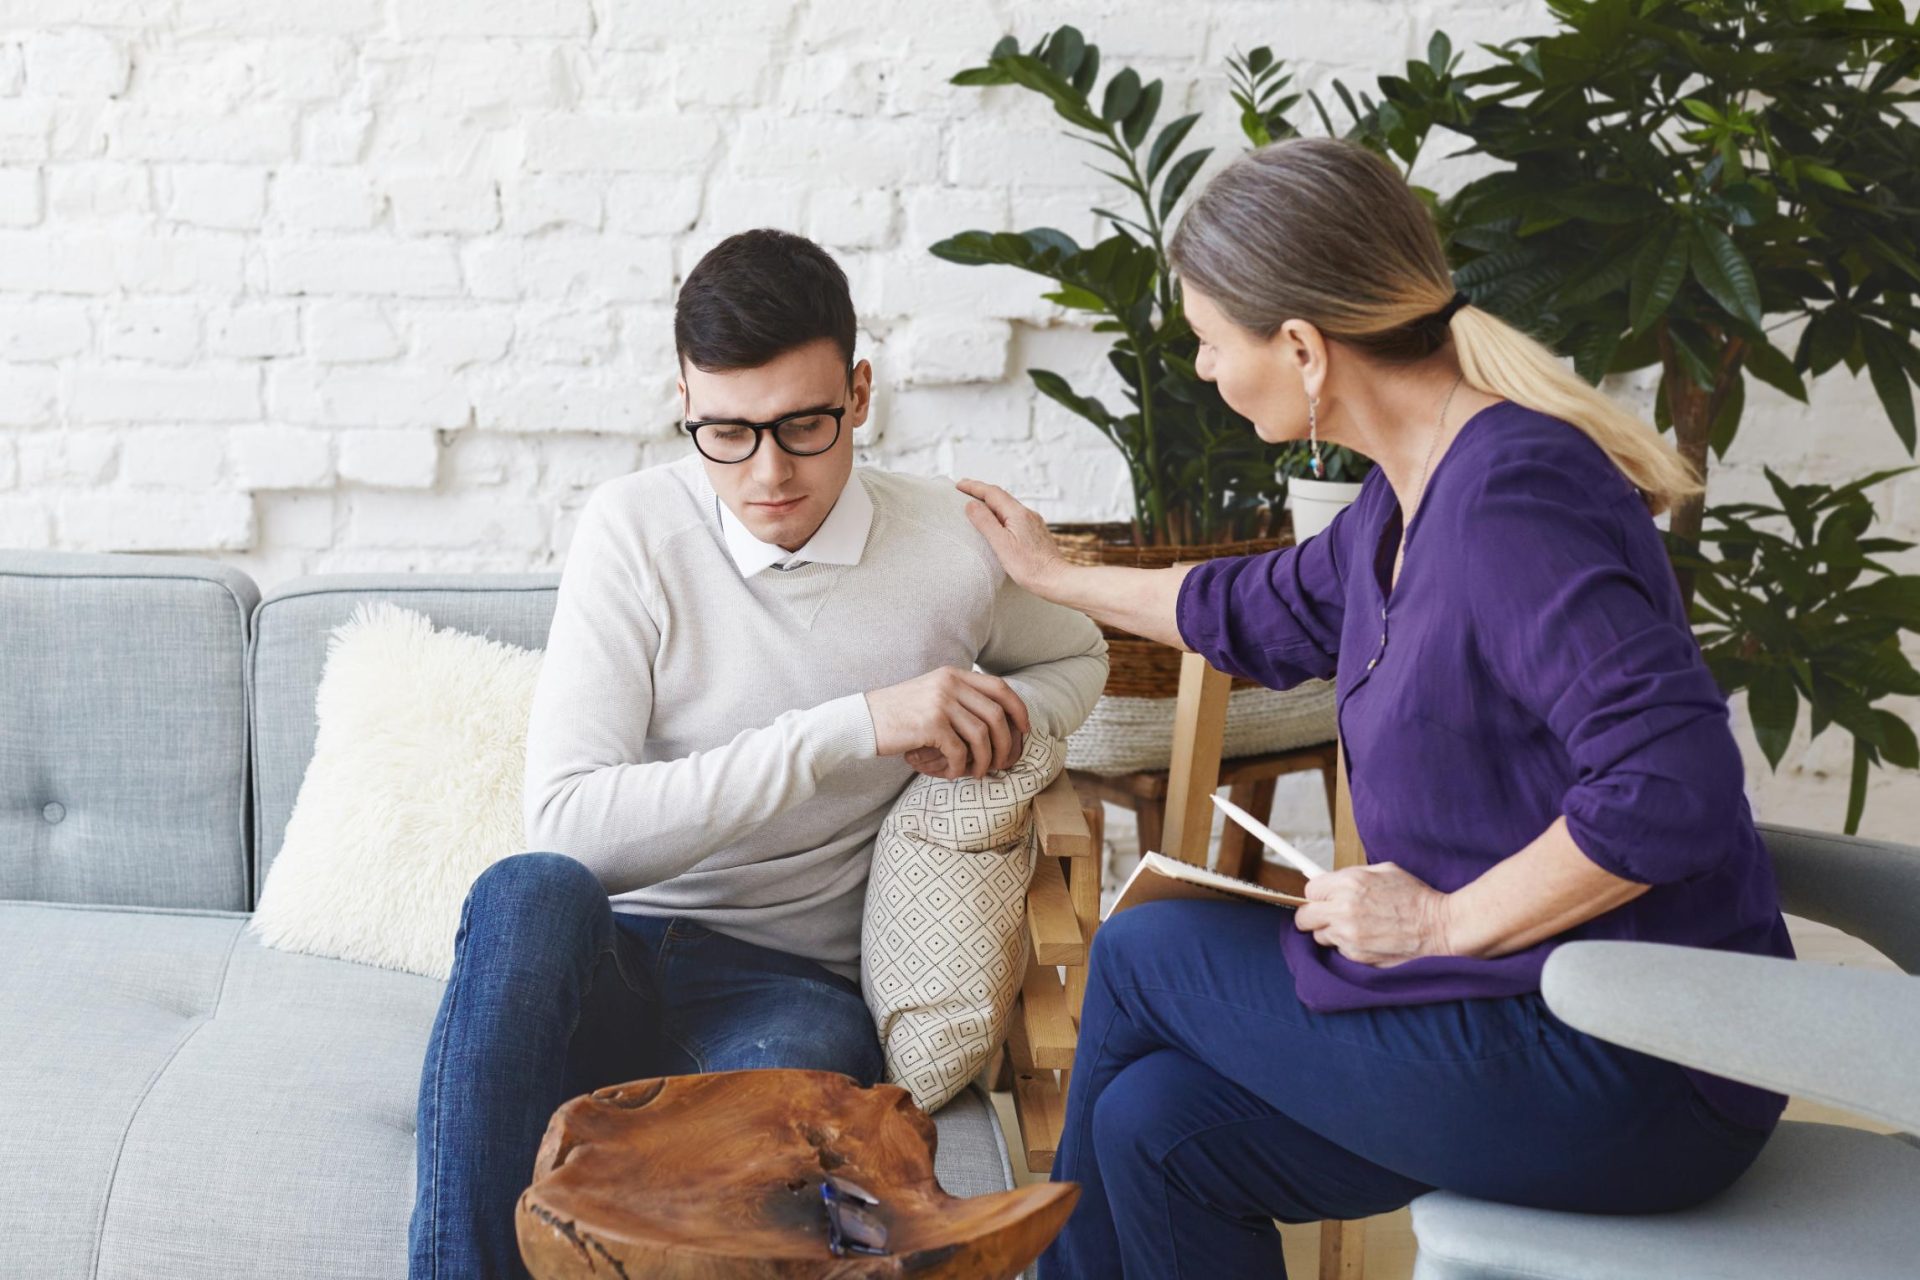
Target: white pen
x=1299, y=861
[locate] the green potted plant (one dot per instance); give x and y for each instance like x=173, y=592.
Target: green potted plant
x=1204, y=484
x=1682, y=178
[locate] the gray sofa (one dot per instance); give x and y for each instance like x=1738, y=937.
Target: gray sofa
x=177, y=1100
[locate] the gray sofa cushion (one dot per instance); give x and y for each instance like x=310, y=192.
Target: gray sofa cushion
x=179, y=1101
x=123, y=721
x=290, y=651
x=1821, y=1200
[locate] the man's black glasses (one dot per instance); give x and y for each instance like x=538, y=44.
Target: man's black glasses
x=802, y=434
x=851, y=1228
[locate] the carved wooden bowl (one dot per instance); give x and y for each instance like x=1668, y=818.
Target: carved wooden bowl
x=717, y=1177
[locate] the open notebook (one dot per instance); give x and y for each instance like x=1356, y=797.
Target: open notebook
x=1159, y=876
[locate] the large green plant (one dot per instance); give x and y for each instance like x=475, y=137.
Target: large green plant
x=1679, y=179
x=1199, y=473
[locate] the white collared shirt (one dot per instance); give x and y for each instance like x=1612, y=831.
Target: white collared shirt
x=839, y=539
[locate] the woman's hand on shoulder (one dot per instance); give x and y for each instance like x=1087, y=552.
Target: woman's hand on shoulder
x=1376, y=914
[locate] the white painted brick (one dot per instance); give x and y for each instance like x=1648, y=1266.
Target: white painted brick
x=45, y=329
x=641, y=405
x=454, y=521
x=538, y=202
x=13, y=70
x=20, y=197
x=134, y=393
x=564, y=335
x=26, y=523
x=296, y=521
x=450, y=337
x=157, y=520
x=653, y=23
x=55, y=459
x=652, y=206
x=255, y=330
x=9, y=464
x=337, y=136
x=741, y=204
x=180, y=264
x=152, y=329
x=173, y=457
x=274, y=457
x=1017, y=157
x=945, y=350
x=584, y=461
x=413, y=19
x=934, y=213
x=471, y=75
x=481, y=459
x=850, y=218
x=95, y=191
x=29, y=396
x=26, y=130
x=665, y=144
x=229, y=196
x=75, y=63
x=856, y=151
x=374, y=396
x=917, y=283
x=364, y=265
x=404, y=459
x=727, y=73
x=315, y=199
x=258, y=135
x=427, y=204
x=349, y=331
x=313, y=69
x=225, y=19
x=914, y=417
x=607, y=268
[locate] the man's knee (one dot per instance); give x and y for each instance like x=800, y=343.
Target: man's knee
x=539, y=893
x=830, y=1031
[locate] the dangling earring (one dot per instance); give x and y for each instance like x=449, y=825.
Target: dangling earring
x=1313, y=437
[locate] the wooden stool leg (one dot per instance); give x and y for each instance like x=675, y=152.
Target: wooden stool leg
x=1151, y=816
x=1343, y=1245
x=1240, y=853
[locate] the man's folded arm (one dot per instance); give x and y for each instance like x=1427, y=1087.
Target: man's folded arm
x=587, y=793
x=1054, y=657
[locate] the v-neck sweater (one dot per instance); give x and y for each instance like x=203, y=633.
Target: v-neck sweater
x=1533, y=660
x=701, y=740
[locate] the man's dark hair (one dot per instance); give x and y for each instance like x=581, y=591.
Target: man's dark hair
x=758, y=294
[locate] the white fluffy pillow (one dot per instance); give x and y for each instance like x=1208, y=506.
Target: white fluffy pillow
x=414, y=790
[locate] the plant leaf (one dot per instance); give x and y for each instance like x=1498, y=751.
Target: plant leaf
x=1723, y=272
x=1179, y=176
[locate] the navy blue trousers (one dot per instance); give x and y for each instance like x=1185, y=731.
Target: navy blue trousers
x=1207, y=1102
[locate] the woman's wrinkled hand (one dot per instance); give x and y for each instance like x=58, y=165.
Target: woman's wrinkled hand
x=1017, y=533
x=1376, y=915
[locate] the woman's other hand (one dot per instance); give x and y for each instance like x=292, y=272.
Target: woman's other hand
x=1376, y=914
x=1017, y=533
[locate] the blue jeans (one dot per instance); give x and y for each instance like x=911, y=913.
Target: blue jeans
x=1207, y=1102
x=553, y=994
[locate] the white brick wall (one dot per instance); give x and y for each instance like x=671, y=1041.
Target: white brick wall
x=387, y=284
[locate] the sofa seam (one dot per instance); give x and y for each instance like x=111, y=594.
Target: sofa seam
x=133, y=1114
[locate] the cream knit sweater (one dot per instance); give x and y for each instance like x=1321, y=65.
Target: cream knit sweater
x=701, y=739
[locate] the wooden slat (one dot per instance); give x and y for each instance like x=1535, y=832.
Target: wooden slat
x=1199, y=730
x=1063, y=827
x=1051, y=922
x=1083, y=885
x=1037, y=1103
x=1343, y=1247
x=1047, y=1025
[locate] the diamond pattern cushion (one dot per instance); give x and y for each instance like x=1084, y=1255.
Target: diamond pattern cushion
x=943, y=942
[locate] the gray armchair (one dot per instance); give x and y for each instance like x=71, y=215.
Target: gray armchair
x=1822, y=1200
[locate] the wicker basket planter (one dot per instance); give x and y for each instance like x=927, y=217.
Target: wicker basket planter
x=1131, y=727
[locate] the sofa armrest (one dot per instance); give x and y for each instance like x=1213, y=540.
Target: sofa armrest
x=1846, y=1037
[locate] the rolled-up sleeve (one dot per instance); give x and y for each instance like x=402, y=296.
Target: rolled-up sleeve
x=1573, y=616
x=1274, y=617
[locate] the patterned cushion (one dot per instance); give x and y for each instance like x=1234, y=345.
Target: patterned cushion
x=943, y=942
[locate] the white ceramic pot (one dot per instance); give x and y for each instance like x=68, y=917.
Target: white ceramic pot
x=1315, y=503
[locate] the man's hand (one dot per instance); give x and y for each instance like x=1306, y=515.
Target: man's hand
x=949, y=722
x=1377, y=914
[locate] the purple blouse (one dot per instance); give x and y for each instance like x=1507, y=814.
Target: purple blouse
x=1533, y=660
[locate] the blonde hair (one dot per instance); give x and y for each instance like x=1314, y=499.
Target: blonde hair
x=1323, y=230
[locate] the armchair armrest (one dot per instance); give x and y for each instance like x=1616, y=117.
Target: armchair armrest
x=1846, y=1037
x=1869, y=889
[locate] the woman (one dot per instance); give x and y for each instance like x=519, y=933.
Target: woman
x=1535, y=747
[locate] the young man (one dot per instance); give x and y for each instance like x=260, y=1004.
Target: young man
x=753, y=649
